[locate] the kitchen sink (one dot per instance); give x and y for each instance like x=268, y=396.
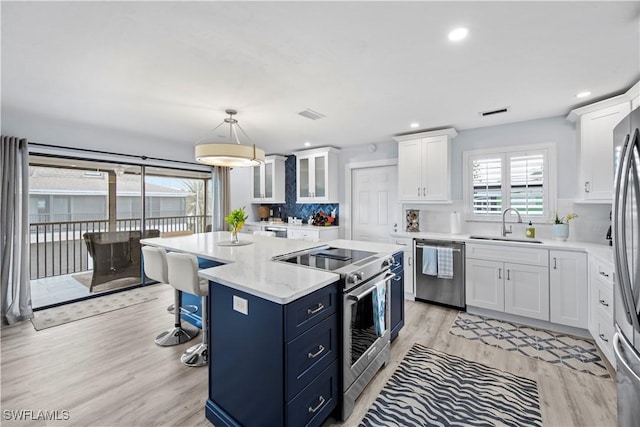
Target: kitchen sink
x=505, y=239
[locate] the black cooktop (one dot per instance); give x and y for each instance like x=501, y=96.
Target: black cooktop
x=328, y=258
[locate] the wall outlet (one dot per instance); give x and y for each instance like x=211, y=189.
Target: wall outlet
x=241, y=305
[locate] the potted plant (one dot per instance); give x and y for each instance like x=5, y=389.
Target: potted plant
x=561, y=226
x=236, y=220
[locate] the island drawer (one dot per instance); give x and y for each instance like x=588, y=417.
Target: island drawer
x=308, y=311
x=314, y=404
x=309, y=354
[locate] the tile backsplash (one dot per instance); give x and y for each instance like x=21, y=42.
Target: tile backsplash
x=590, y=226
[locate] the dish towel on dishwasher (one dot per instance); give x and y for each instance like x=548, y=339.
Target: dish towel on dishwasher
x=429, y=260
x=445, y=263
x=379, y=307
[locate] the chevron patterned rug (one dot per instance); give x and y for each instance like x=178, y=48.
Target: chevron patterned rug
x=432, y=388
x=564, y=350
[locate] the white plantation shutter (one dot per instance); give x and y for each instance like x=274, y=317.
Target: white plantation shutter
x=526, y=173
x=499, y=180
x=487, y=185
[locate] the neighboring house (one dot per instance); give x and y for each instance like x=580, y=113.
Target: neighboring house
x=57, y=195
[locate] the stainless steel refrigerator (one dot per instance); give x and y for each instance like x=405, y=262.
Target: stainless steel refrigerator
x=626, y=255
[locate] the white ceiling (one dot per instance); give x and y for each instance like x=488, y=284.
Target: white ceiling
x=169, y=69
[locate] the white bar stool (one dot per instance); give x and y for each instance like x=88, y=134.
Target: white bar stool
x=183, y=275
x=156, y=268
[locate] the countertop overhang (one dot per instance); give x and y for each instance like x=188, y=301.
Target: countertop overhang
x=249, y=268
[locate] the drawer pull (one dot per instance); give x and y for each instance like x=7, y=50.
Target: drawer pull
x=499, y=273
x=315, y=310
x=320, y=403
x=602, y=273
x=397, y=278
x=317, y=353
x=603, y=338
x=603, y=302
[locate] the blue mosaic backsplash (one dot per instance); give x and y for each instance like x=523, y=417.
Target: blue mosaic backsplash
x=305, y=210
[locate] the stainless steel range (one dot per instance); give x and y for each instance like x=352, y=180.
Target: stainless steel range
x=365, y=278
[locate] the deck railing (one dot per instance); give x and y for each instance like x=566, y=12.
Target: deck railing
x=58, y=248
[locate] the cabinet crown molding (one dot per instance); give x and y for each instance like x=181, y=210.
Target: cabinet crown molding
x=450, y=132
x=317, y=150
x=633, y=92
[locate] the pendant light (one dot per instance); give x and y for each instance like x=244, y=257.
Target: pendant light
x=229, y=154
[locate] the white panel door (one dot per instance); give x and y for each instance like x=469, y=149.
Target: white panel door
x=374, y=203
x=484, y=284
x=568, y=288
x=410, y=154
x=526, y=290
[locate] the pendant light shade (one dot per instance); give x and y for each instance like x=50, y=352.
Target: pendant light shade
x=229, y=154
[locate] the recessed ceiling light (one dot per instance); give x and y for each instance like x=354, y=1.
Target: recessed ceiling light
x=414, y=125
x=307, y=144
x=458, y=34
x=583, y=94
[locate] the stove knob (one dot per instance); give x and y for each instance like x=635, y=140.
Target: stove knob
x=387, y=262
x=355, y=277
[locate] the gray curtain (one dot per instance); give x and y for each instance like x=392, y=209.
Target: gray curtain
x=14, y=231
x=221, y=197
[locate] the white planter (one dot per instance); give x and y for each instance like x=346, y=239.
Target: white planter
x=561, y=231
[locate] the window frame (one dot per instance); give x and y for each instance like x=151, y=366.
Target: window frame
x=548, y=150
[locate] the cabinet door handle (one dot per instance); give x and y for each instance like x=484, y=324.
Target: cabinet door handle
x=587, y=186
x=410, y=261
x=319, y=307
x=320, y=403
x=424, y=191
x=499, y=273
x=603, y=302
x=602, y=273
x=508, y=274
x=418, y=191
x=555, y=263
x=603, y=338
x=396, y=278
x=317, y=353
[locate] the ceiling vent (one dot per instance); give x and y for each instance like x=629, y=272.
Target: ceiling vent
x=494, y=112
x=310, y=114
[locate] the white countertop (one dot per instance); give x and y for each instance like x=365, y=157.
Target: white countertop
x=603, y=252
x=249, y=268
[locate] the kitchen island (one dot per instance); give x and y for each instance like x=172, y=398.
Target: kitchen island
x=274, y=330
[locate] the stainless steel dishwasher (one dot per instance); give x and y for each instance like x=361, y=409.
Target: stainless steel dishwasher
x=431, y=288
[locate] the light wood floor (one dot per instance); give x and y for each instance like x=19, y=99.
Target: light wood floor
x=107, y=371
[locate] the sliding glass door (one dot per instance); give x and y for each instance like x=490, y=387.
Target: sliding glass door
x=87, y=218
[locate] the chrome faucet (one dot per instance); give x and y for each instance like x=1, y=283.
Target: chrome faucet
x=504, y=227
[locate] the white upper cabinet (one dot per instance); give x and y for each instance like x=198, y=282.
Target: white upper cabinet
x=594, y=124
x=424, y=166
x=268, y=181
x=317, y=175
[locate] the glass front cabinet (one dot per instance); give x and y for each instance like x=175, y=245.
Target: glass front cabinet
x=317, y=175
x=268, y=181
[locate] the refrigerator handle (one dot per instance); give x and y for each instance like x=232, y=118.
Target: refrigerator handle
x=620, y=342
x=621, y=182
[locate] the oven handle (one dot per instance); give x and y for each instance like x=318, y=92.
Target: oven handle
x=370, y=289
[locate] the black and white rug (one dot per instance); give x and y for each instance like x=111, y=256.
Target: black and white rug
x=432, y=388
x=579, y=354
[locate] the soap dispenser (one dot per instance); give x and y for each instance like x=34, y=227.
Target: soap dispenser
x=530, y=231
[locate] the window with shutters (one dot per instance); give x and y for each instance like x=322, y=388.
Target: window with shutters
x=517, y=177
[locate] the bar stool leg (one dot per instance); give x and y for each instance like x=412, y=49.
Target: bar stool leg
x=178, y=334
x=198, y=355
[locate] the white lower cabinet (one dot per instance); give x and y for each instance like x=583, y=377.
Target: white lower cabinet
x=494, y=283
x=568, y=288
x=601, y=305
x=526, y=290
x=409, y=284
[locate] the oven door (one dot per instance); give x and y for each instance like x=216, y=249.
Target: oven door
x=363, y=338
